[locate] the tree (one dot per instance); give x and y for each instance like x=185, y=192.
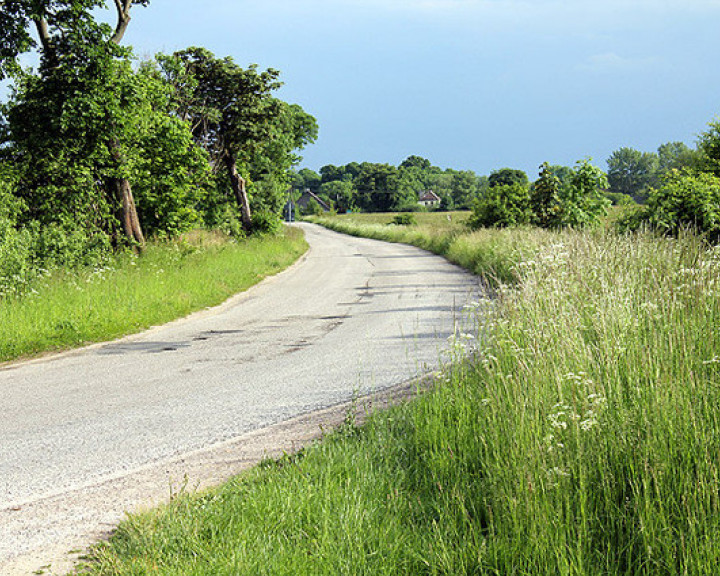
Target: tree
x=231, y=112
x=340, y=193
x=332, y=173
x=376, y=186
x=632, y=172
x=77, y=53
x=502, y=205
x=416, y=162
x=545, y=198
x=311, y=180
x=709, y=147
x=582, y=200
x=463, y=189
x=507, y=177
x=676, y=156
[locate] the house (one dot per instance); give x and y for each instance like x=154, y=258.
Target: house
x=304, y=200
x=429, y=199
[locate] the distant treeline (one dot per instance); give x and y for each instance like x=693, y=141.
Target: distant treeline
x=678, y=186
x=372, y=187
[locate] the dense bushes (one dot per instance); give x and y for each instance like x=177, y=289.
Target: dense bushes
x=687, y=199
x=551, y=202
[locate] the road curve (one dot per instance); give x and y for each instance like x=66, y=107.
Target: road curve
x=353, y=317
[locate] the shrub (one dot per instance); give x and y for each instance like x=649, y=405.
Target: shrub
x=686, y=201
x=583, y=200
x=404, y=220
x=16, y=268
x=502, y=205
x=266, y=222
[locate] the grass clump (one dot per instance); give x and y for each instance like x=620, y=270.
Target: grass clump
x=578, y=434
x=129, y=293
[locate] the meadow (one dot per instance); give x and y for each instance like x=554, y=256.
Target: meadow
x=69, y=308
x=577, y=433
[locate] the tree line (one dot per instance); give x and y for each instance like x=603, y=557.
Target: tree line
x=99, y=151
x=375, y=187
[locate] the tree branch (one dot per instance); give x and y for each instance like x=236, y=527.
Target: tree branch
x=42, y=30
x=123, y=13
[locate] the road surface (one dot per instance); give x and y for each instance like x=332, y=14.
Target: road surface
x=354, y=316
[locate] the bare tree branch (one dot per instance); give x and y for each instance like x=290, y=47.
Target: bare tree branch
x=123, y=13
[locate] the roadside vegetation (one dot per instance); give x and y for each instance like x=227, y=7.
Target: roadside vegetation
x=576, y=433
x=62, y=309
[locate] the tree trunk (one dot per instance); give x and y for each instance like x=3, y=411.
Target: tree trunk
x=128, y=213
x=124, y=197
x=238, y=187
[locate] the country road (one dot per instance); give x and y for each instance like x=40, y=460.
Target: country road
x=354, y=316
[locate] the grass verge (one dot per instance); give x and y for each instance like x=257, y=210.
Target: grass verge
x=579, y=435
x=171, y=279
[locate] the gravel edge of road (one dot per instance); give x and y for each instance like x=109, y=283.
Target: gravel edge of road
x=156, y=484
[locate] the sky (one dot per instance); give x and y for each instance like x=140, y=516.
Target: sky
x=469, y=84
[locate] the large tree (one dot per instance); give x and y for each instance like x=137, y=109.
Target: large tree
x=632, y=172
x=508, y=177
x=231, y=111
x=73, y=92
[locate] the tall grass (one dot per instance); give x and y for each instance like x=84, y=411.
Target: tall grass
x=130, y=293
x=577, y=434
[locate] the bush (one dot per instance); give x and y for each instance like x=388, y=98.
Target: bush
x=404, y=220
x=16, y=268
x=502, y=205
x=266, y=222
x=686, y=201
x=620, y=199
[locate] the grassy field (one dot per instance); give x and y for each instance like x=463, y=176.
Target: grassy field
x=580, y=435
x=170, y=280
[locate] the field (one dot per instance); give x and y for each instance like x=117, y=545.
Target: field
x=577, y=433
x=68, y=309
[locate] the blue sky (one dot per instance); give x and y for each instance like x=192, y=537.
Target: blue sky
x=469, y=84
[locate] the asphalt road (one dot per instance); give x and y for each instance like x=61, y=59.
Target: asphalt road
x=354, y=316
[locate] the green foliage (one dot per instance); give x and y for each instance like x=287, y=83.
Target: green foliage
x=127, y=293
x=677, y=156
x=340, y=193
x=632, y=172
x=266, y=222
x=238, y=122
x=307, y=179
x=507, y=177
x=686, y=201
x=381, y=187
x=583, y=200
x=619, y=199
x=545, y=198
x=312, y=208
x=376, y=186
x=574, y=434
x=502, y=205
x=404, y=220
x=416, y=162
x=709, y=147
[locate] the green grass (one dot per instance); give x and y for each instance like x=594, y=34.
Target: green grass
x=581, y=436
x=493, y=254
x=170, y=280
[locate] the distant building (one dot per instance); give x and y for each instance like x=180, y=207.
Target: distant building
x=304, y=200
x=429, y=199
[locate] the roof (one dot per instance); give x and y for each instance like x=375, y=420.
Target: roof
x=307, y=196
x=428, y=196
